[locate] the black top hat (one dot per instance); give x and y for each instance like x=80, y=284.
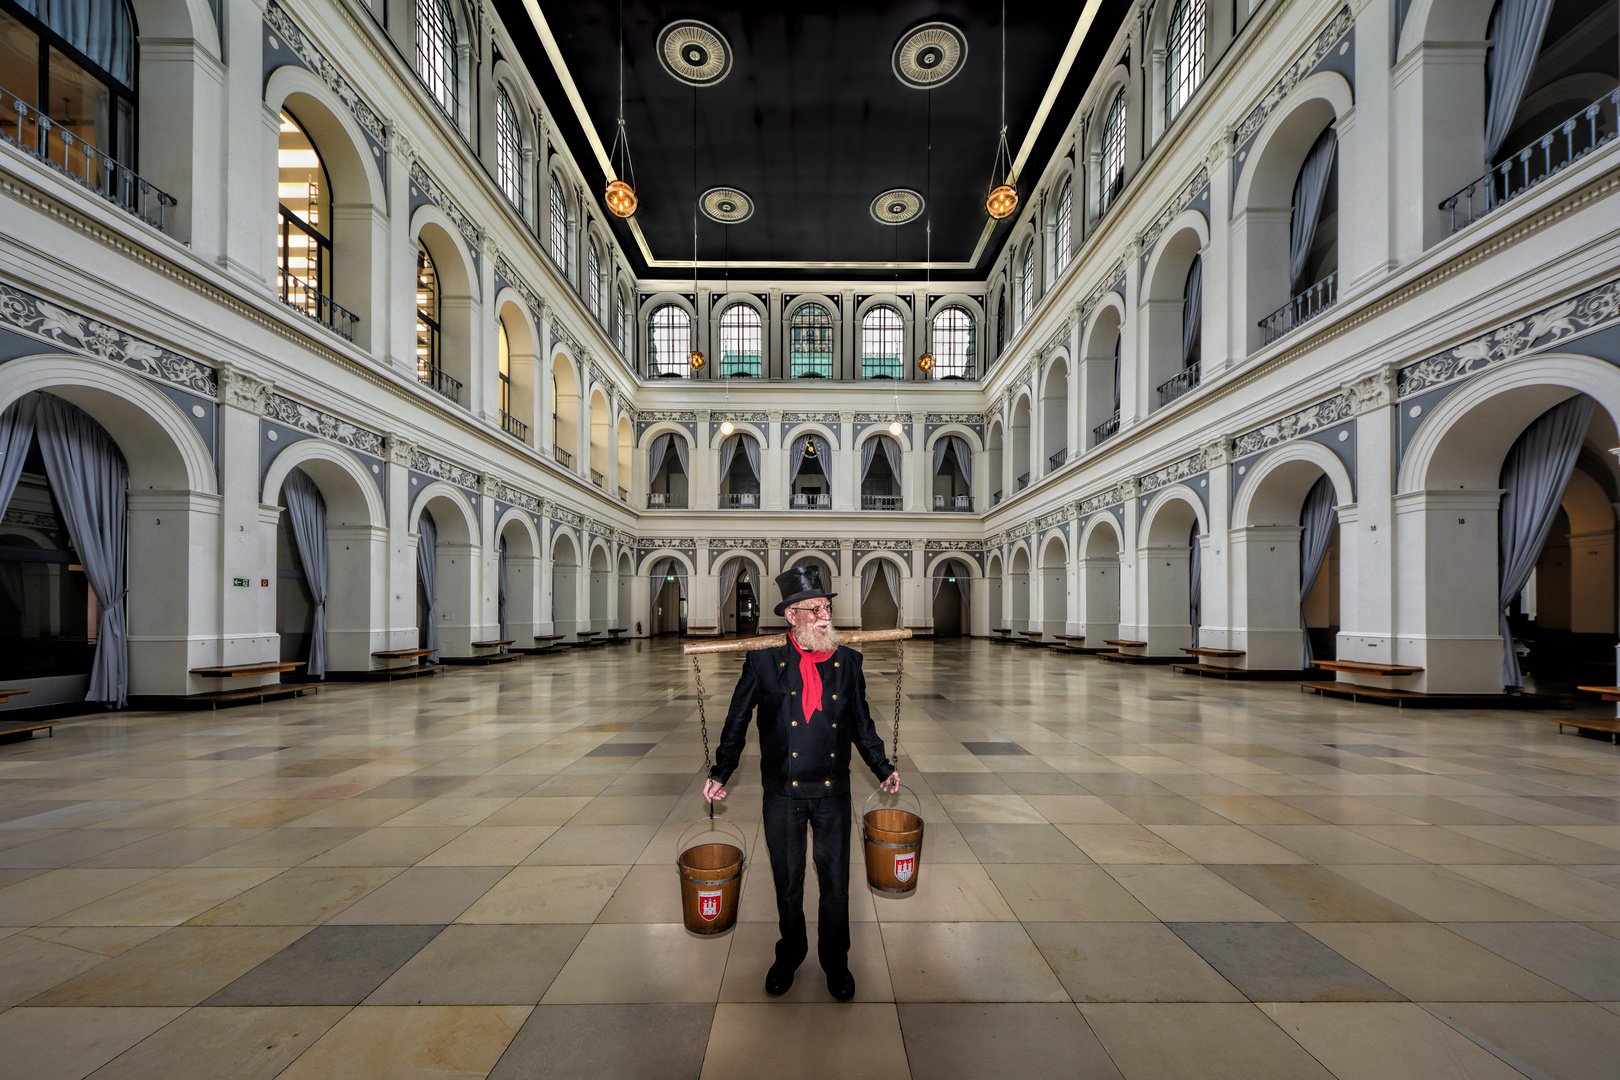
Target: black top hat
x=800, y=583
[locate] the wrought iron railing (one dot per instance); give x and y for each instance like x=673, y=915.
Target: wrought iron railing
x=1055, y=461
x=810, y=502
x=299, y=295
x=995, y=498
x=597, y=477
x=1570, y=141
x=1180, y=383
x=741, y=500
x=562, y=455
x=440, y=380
x=56, y=145
x=1301, y=309
x=1023, y=482
x=624, y=495
x=1105, y=430
x=666, y=500
x=882, y=502
x=514, y=427
x=955, y=504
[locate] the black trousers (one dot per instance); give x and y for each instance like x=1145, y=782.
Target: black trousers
x=785, y=823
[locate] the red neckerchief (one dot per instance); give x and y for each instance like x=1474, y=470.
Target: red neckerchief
x=810, y=676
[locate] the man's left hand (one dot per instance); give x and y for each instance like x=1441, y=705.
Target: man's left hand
x=892, y=784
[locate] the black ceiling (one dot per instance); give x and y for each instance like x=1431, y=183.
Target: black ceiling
x=812, y=123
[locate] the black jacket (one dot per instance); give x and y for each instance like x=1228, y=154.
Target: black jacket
x=798, y=759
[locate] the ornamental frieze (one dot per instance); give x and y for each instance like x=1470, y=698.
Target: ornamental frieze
x=744, y=417
x=434, y=192
x=514, y=497
x=536, y=306
x=277, y=21
x=1189, y=193
x=968, y=418
x=440, y=469
x=1304, y=422
x=1333, y=33
x=653, y=416
x=295, y=414
x=1189, y=466
x=1114, y=496
x=811, y=418
x=565, y=516
x=1113, y=281
x=970, y=546
x=884, y=545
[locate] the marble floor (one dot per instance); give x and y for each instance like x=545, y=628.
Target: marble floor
x=1128, y=873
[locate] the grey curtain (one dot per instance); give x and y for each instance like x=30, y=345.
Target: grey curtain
x=1195, y=583
x=1517, y=27
x=500, y=589
x=1310, y=188
x=90, y=481
x=306, y=513
x=656, y=452
x=682, y=453
x=964, y=457
x=728, y=451
x=796, y=457
x=750, y=446
x=950, y=568
x=16, y=435
x=1316, y=526
x=891, y=577
x=728, y=580
x=1534, y=476
x=891, y=454
x=1192, y=312
x=1117, y=339
x=666, y=566
x=100, y=29
x=427, y=568
x=869, y=574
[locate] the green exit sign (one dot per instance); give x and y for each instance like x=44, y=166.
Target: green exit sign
x=240, y=582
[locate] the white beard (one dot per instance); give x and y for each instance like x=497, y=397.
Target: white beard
x=812, y=640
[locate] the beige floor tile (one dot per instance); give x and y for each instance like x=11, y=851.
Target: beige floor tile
x=1199, y=1042
x=425, y=1042
x=50, y=894
x=285, y=846
x=1128, y=962
x=1046, y=892
x=447, y=811
x=270, y=813
x=649, y=893
x=168, y=899
x=1538, y=843
x=1438, y=894
x=487, y=845
x=547, y=894
x=483, y=965
x=1436, y=844
x=641, y=963
x=850, y=1041
x=1426, y=962
x=1553, y=888
x=207, y=1044
x=181, y=966
x=1603, y=835
x=1348, y=810
x=1076, y=809
x=385, y=846
x=1129, y=843
x=753, y=950
x=34, y=961
x=66, y=1044
x=423, y=896
x=1365, y=1040
x=1332, y=844
x=950, y=892
x=543, y=810
x=967, y=962
x=1190, y=894
x=302, y=896
x=1255, y=810
x=990, y=808
x=357, y=813
x=1573, y=1040
x=625, y=810
x=593, y=845
x=1224, y=844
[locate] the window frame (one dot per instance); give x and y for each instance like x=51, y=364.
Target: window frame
x=1026, y=284
x=1063, y=235
x=1111, y=170
x=120, y=93
x=289, y=221
x=678, y=366
x=557, y=231
x=883, y=365
x=803, y=328
x=747, y=328
x=1183, y=55
x=427, y=322
x=509, y=149
x=953, y=346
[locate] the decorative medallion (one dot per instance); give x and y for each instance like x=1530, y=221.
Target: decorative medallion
x=897, y=206
x=694, y=52
x=929, y=55
x=726, y=205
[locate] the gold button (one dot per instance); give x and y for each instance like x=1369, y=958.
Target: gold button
x=795, y=783
x=835, y=663
x=835, y=697
x=795, y=693
x=795, y=753
x=795, y=723
x=827, y=782
x=829, y=755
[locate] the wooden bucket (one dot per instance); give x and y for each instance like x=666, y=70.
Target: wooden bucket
x=894, y=839
x=711, y=878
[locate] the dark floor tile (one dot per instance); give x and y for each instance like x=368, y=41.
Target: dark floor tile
x=621, y=749
x=1575, y=957
x=414, y=787
x=1280, y=962
x=926, y=697
x=989, y=749
x=331, y=965
x=1313, y=894
x=966, y=783
x=1031, y=1042
x=609, y=1042
x=1020, y=843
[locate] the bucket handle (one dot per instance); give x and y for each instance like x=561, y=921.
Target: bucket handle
x=904, y=788
x=742, y=838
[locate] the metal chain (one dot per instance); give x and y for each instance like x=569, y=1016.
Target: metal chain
x=703, y=719
x=899, y=676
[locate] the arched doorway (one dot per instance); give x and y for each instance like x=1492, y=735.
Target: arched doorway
x=1166, y=576
x=564, y=585
x=447, y=561
x=1054, y=588
x=517, y=586
x=627, y=576
x=601, y=580
x=952, y=599
x=994, y=593
x=668, y=589
x=880, y=594
x=739, y=584
x=1099, y=581
x=1018, y=591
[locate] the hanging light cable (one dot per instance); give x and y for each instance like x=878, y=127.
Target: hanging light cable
x=696, y=358
x=1003, y=197
x=925, y=362
x=620, y=196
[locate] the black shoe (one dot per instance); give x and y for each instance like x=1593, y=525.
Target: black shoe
x=841, y=984
x=778, y=980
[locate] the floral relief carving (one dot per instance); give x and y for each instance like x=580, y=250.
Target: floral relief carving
x=292, y=35
x=440, y=469
x=1148, y=237
x=1191, y=465
x=436, y=194
x=1311, y=418
x=1325, y=42
x=296, y=414
x=508, y=494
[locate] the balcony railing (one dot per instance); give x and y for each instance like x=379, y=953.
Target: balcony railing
x=810, y=502
x=1023, y=482
x=440, y=380
x=298, y=294
x=995, y=498
x=562, y=455
x=666, y=500
x=955, y=504
x=1567, y=143
x=882, y=502
x=514, y=427
x=624, y=495
x=1180, y=383
x=38, y=135
x=1301, y=309
x=1105, y=430
x=742, y=500
x=1055, y=461
x=597, y=478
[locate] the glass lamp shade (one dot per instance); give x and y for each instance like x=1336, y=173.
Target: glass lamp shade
x=896, y=428
x=697, y=360
x=620, y=198
x=727, y=427
x=925, y=363
x=1001, y=201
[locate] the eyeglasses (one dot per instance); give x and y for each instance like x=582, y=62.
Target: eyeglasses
x=813, y=609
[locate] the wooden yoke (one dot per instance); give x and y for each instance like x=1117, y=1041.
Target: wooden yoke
x=852, y=637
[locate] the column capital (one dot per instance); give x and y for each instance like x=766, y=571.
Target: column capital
x=238, y=388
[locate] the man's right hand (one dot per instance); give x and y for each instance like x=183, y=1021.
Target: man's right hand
x=712, y=790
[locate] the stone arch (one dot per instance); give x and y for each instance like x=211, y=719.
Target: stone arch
x=565, y=584
x=625, y=612
x=951, y=607
x=994, y=575
x=1115, y=81
x=1055, y=448
x=1277, y=483
x=565, y=410
x=457, y=279
x=994, y=461
x=727, y=617
x=1101, y=348
x=1102, y=544
x=1163, y=560
x=1019, y=585
x=601, y=585
x=875, y=612
x=457, y=563
x=1164, y=296
x=1054, y=585
x=523, y=361
x=516, y=531
x=601, y=414
x=1020, y=429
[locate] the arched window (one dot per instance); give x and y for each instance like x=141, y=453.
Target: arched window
x=593, y=281
x=428, y=367
x=1183, y=55
x=1001, y=322
x=1112, y=179
x=741, y=341
x=303, y=233
x=1026, y=285
x=810, y=342
x=882, y=343
x=75, y=63
x=953, y=343
x=669, y=341
x=508, y=149
x=559, y=226
x=1064, y=233
x=626, y=316
x=503, y=360
x=436, y=52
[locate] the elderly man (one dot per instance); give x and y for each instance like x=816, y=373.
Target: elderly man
x=811, y=697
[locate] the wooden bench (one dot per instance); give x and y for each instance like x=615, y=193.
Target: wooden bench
x=1127, y=644
x=237, y=671
x=1607, y=693
x=1032, y=639
x=252, y=695
x=19, y=730
x=389, y=674
x=483, y=659
x=613, y=633
x=8, y=693
x=543, y=643
x=1005, y=633
x=1595, y=723
x=1222, y=654
x=1360, y=667
x=1123, y=657
x=493, y=644
x=702, y=631
x=402, y=654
